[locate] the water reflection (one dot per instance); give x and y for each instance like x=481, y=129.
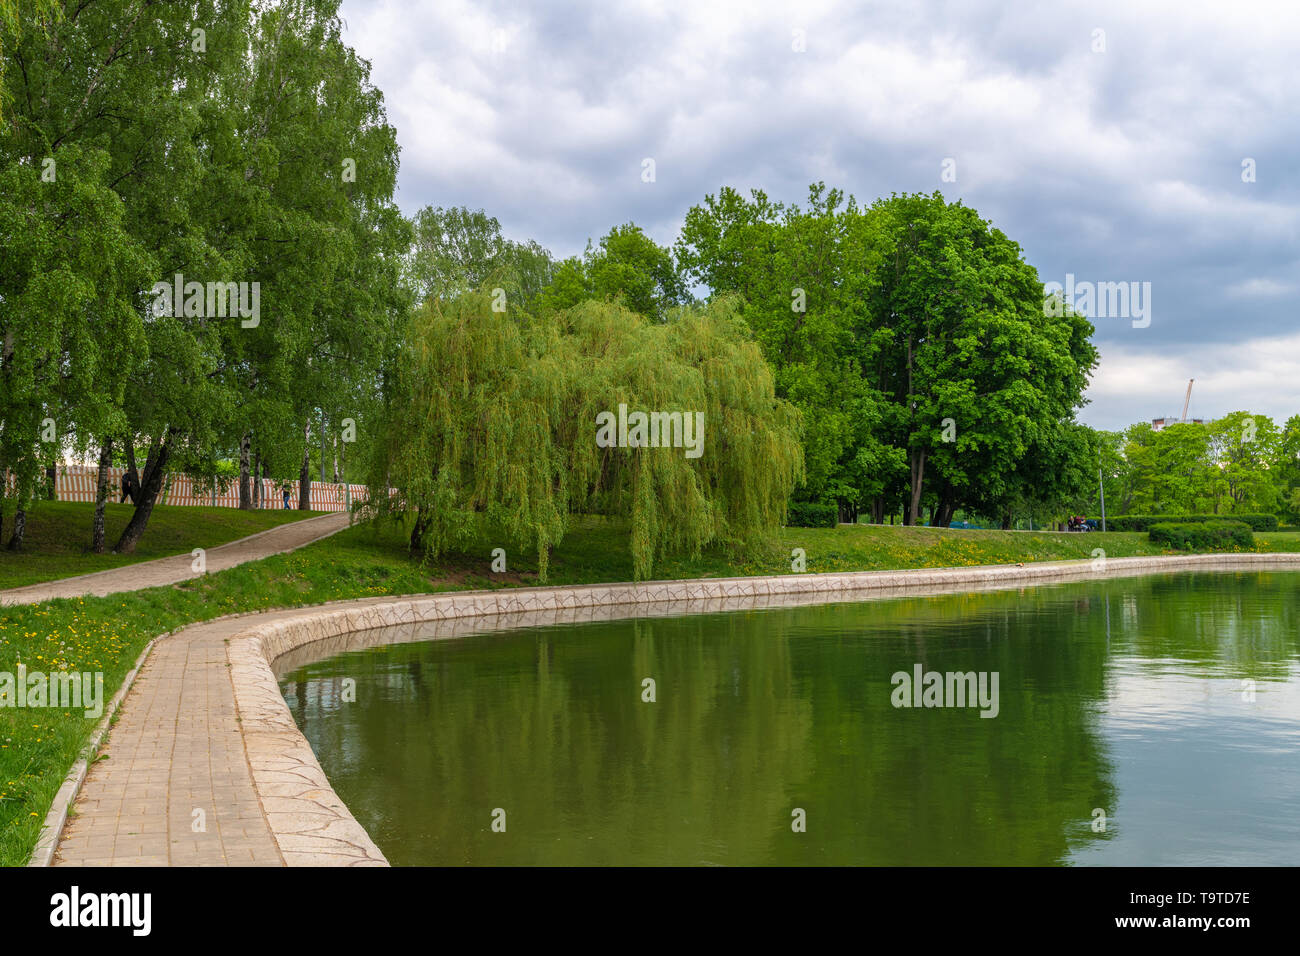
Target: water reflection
x=1139, y=712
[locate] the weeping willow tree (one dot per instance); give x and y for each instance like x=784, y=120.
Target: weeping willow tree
x=505, y=424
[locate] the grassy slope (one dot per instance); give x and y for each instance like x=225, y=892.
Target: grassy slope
x=57, y=543
x=38, y=747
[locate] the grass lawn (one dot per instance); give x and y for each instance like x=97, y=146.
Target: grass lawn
x=57, y=543
x=38, y=747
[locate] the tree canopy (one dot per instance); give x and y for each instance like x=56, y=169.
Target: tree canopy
x=495, y=423
x=913, y=336
x=226, y=147
x=626, y=266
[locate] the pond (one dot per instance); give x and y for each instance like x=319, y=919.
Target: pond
x=1127, y=721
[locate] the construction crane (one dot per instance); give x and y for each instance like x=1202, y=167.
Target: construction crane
x=1188, y=399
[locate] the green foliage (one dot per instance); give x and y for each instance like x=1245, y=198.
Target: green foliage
x=1285, y=470
x=264, y=157
x=629, y=267
x=568, y=287
x=972, y=345
x=311, y=167
x=70, y=328
x=1240, y=463
x=18, y=17
x=459, y=249
x=912, y=335
x=804, y=276
x=812, y=514
x=1257, y=522
x=1243, y=447
x=494, y=422
x=1203, y=535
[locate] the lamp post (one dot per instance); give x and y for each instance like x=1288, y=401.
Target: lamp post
x=1101, y=485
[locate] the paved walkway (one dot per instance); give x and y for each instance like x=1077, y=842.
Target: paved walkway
x=176, y=788
x=152, y=574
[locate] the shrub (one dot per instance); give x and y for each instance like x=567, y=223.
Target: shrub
x=812, y=514
x=1256, y=522
x=1203, y=535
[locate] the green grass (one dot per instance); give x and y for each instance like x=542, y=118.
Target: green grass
x=38, y=747
x=57, y=542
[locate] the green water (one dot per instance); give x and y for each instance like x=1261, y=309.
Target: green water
x=1127, y=696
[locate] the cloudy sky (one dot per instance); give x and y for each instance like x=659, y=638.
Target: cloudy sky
x=1112, y=140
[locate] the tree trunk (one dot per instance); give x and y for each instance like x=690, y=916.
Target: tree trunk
x=1006, y=522
x=20, y=528
x=146, y=496
x=304, y=476
x=101, y=496
x=918, y=482
x=257, y=482
x=878, y=509
x=947, y=507
x=131, y=472
x=51, y=479
x=336, y=458
x=245, y=486
x=418, y=531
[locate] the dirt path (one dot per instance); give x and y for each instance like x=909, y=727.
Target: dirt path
x=152, y=574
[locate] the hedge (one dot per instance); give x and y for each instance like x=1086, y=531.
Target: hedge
x=811, y=514
x=1144, y=522
x=1203, y=535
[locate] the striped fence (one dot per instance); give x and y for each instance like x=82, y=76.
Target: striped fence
x=78, y=483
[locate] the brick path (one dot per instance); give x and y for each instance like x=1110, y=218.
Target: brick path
x=150, y=574
x=177, y=748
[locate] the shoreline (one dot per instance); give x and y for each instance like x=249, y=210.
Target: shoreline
x=309, y=823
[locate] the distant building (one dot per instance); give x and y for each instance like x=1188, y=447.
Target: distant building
x=1159, y=423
